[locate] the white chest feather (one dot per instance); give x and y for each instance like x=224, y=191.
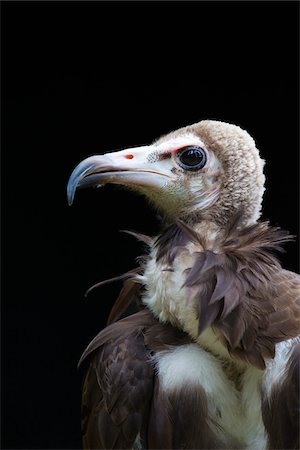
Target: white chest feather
x=234, y=411
x=233, y=388
x=170, y=302
x=164, y=295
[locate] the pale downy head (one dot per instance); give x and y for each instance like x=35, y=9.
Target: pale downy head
x=210, y=170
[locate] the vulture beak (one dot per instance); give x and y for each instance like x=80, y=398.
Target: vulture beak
x=131, y=167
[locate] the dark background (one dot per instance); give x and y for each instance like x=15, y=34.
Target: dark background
x=84, y=78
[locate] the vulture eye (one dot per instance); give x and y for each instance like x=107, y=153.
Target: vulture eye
x=192, y=158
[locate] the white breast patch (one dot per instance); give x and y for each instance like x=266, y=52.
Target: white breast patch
x=237, y=413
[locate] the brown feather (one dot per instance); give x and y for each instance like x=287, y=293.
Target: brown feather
x=190, y=233
x=173, y=238
x=179, y=419
x=118, y=386
x=131, y=324
x=140, y=237
x=244, y=293
x=129, y=295
x=160, y=337
x=281, y=411
x=124, y=276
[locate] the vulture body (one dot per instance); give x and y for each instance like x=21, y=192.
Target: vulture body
x=210, y=360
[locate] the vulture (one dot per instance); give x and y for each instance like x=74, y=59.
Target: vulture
x=201, y=349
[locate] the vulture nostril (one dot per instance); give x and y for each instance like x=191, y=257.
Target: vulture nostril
x=129, y=156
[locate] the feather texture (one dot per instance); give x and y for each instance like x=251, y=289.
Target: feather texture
x=119, y=385
x=242, y=290
x=243, y=293
x=215, y=364
x=281, y=410
x=117, y=394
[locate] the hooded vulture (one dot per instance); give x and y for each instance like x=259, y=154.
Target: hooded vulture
x=210, y=358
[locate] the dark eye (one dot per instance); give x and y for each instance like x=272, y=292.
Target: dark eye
x=192, y=158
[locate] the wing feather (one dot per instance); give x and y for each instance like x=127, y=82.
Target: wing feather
x=117, y=393
x=281, y=410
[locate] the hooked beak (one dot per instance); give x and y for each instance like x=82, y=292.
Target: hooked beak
x=127, y=167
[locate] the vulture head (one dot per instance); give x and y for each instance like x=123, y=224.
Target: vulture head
x=206, y=171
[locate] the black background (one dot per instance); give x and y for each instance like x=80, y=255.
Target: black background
x=84, y=78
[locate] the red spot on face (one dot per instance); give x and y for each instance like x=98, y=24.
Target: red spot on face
x=129, y=156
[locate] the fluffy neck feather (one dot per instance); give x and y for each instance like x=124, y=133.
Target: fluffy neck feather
x=218, y=286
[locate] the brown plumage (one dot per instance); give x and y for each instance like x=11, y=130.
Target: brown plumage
x=248, y=325
x=210, y=360
x=118, y=390
x=281, y=411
